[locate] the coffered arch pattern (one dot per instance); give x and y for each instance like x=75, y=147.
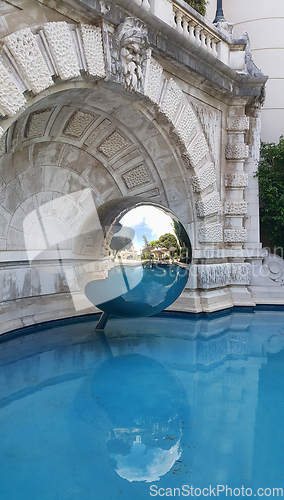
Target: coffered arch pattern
x=34, y=66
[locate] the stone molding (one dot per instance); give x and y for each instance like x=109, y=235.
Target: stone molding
x=220, y=275
x=238, y=124
x=235, y=235
x=237, y=151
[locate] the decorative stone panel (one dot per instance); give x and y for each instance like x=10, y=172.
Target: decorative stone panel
x=171, y=99
x=37, y=123
x=209, y=205
x=154, y=80
x=136, y=176
x=237, y=151
x=197, y=150
x=236, y=208
x=113, y=144
x=237, y=180
x=238, y=124
x=240, y=273
x=90, y=139
x=62, y=49
x=210, y=234
x=235, y=235
x=213, y=275
x=78, y=123
x=186, y=124
x=211, y=124
x=93, y=49
x=24, y=47
x=220, y=275
x=11, y=98
x=204, y=179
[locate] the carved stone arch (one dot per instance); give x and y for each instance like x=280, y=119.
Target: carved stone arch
x=114, y=157
x=33, y=66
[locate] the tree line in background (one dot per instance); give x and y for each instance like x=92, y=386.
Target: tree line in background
x=270, y=174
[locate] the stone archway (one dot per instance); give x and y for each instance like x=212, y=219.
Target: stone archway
x=38, y=63
x=86, y=139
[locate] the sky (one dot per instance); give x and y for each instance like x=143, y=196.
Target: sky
x=147, y=220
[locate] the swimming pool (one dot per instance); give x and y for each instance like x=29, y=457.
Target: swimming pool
x=150, y=409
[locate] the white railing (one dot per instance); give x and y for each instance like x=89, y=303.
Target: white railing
x=191, y=28
x=182, y=18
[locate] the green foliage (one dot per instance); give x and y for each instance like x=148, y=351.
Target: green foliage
x=270, y=175
x=154, y=243
x=119, y=243
x=198, y=5
x=167, y=240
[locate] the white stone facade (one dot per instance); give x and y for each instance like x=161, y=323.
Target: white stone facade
x=104, y=115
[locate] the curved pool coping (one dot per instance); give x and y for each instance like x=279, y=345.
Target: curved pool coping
x=94, y=317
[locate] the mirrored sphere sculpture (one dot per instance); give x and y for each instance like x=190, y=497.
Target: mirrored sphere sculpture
x=132, y=257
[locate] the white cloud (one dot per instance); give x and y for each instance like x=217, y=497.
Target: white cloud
x=155, y=219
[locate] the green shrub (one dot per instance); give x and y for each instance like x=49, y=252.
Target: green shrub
x=270, y=175
x=198, y=5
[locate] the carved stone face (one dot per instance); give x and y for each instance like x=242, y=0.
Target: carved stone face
x=131, y=52
x=130, y=42
x=131, y=58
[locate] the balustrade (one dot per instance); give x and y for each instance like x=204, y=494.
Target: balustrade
x=197, y=32
x=191, y=26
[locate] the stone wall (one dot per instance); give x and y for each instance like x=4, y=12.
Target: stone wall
x=91, y=113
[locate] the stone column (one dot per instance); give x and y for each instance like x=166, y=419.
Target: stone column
x=235, y=208
x=251, y=193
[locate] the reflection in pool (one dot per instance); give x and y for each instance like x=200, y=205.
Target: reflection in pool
x=184, y=400
x=144, y=441
x=135, y=291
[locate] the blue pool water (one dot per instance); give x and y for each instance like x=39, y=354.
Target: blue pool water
x=134, y=291
x=148, y=410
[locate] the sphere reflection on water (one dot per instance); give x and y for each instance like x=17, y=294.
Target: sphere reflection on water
x=134, y=257
x=139, y=406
